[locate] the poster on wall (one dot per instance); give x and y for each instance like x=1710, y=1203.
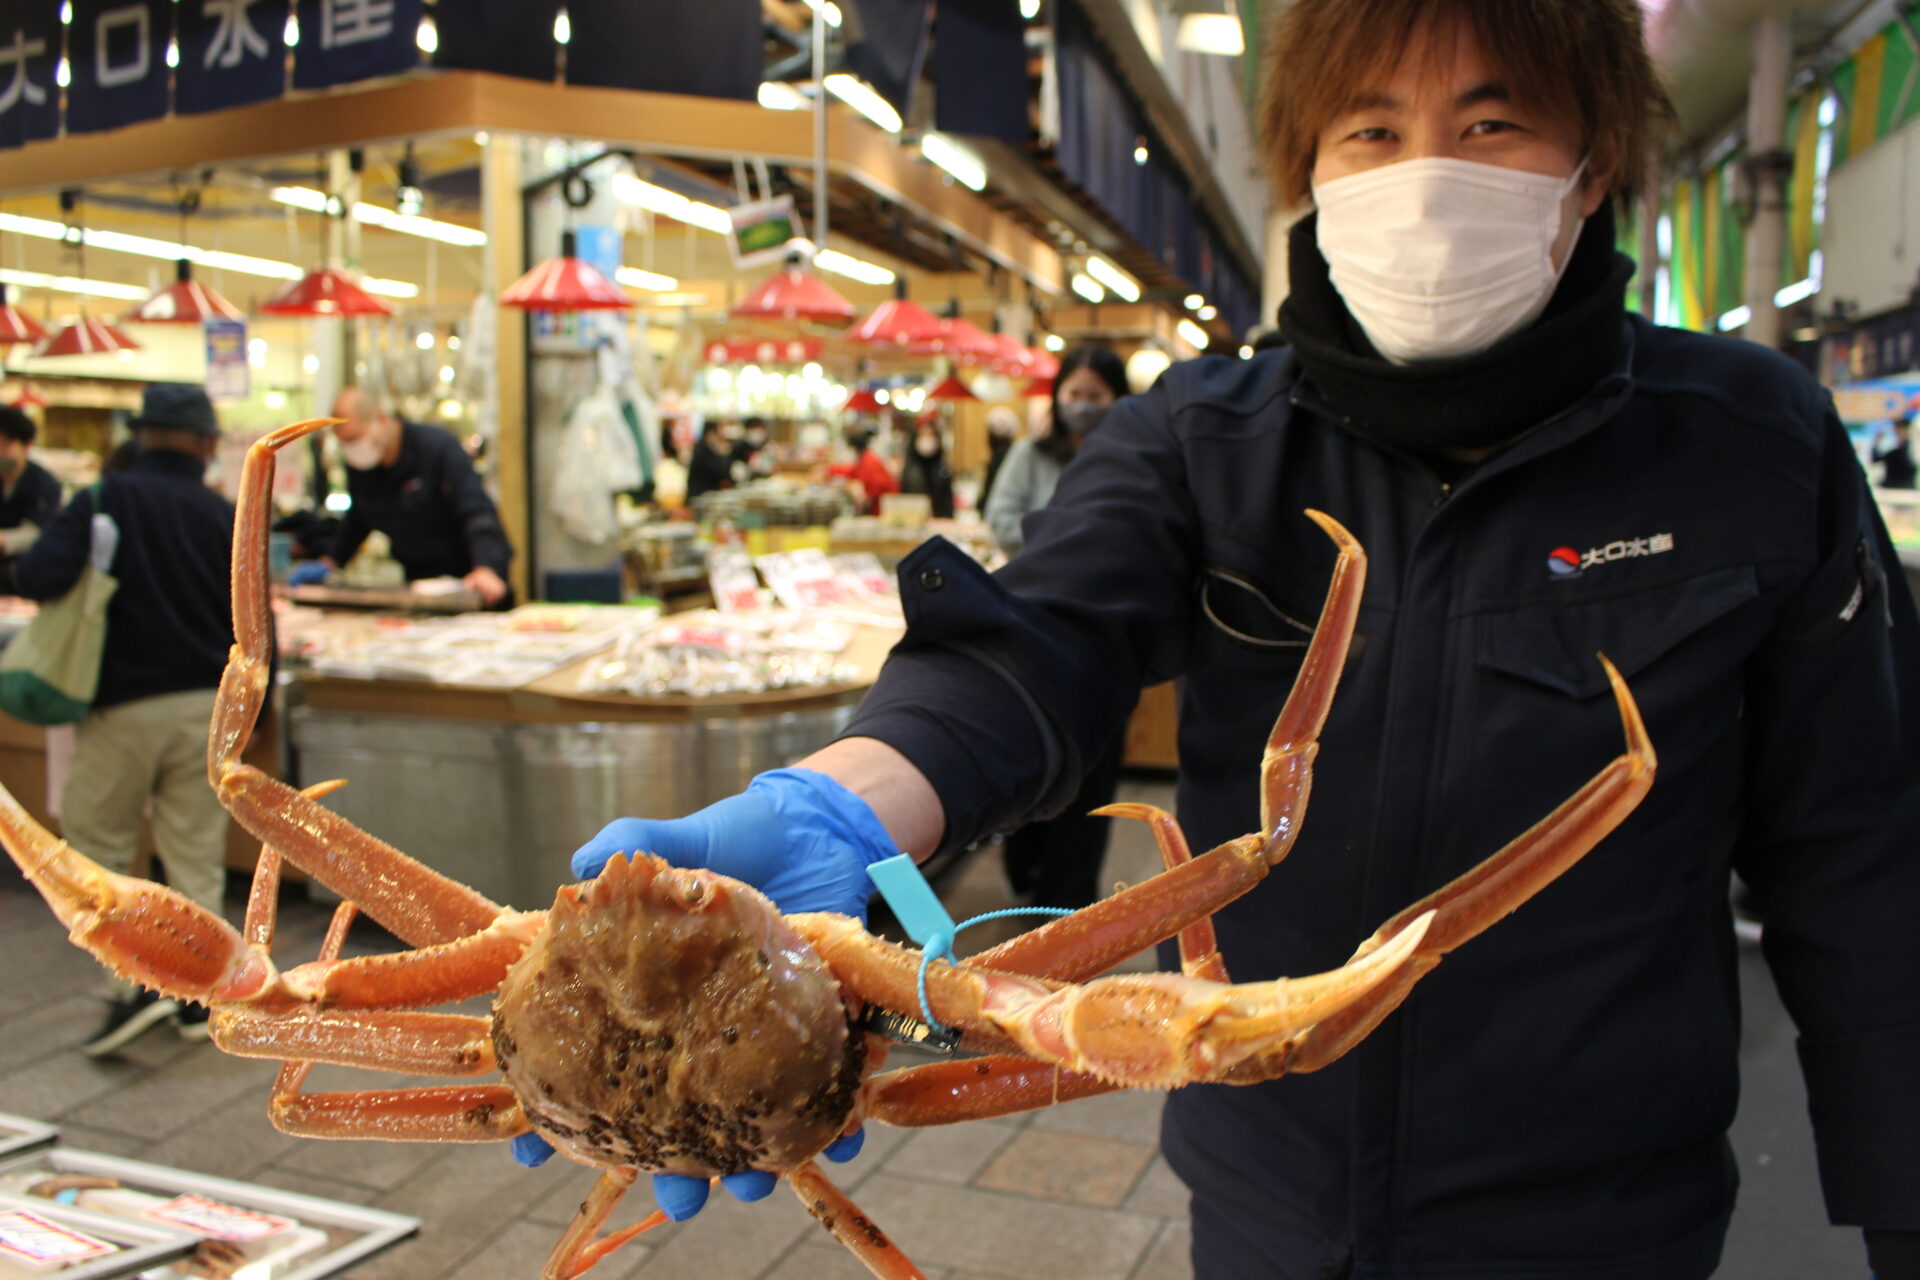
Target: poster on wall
x=227, y=372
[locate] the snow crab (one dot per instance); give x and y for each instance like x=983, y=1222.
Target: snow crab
x=659, y=1019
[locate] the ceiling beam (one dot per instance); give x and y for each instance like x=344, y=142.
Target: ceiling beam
x=465, y=102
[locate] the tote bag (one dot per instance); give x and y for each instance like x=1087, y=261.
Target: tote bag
x=51, y=670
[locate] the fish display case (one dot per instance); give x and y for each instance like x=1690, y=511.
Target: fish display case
x=172, y=1224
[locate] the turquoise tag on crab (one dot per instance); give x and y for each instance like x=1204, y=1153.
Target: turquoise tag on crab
x=914, y=903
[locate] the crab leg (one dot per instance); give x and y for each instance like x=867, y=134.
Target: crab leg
x=582, y=1246
x=973, y=1089
x=852, y=1228
x=414, y=902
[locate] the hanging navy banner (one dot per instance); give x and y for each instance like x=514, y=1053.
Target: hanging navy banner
x=886, y=45
x=980, y=69
x=117, y=52
x=231, y=52
x=711, y=49
x=29, y=54
x=346, y=40
x=507, y=37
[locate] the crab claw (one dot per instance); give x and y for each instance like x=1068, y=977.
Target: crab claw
x=142, y=931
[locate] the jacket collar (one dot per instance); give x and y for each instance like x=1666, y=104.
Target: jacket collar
x=170, y=462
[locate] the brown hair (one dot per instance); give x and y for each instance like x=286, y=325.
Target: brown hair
x=1585, y=59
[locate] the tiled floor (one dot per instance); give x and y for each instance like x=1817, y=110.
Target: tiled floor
x=1075, y=1192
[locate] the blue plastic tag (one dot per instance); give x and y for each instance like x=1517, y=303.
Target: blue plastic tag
x=913, y=901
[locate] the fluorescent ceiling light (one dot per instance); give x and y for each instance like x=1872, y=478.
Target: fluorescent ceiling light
x=73, y=284
x=1796, y=291
x=562, y=27
x=1192, y=334
x=651, y=280
x=955, y=159
x=853, y=268
x=831, y=12
x=427, y=37
x=860, y=95
x=777, y=95
x=680, y=299
x=1113, y=278
x=1054, y=342
x=1084, y=286
x=1195, y=302
x=671, y=203
x=1734, y=319
x=1211, y=33
x=386, y=219
x=1029, y=9
x=1207, y=312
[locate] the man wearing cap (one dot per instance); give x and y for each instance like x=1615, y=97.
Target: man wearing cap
x=168, y=631
x=418, y=487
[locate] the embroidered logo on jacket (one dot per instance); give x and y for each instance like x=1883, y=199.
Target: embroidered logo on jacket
x=1565, y=562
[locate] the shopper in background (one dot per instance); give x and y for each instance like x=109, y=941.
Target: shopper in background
x=29, y=495
x=1536, y=475
x=710, y=466
x=1091, y=379
x=169, y=627
x=753, y=452
x=868, y=470
x=415, y=484
x=925, y=469
x=1003, y=428
x=1897, y=470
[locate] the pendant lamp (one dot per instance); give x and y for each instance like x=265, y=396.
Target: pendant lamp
x=1011, y=355
x=565, y=283
x=185, y=301
x=961, y=340
x=897, y=322
x=950, y=388
x=862, y=401
x=794, y=293
x=15, y=324
x=86, y=337
x=28, y=397
x=327, y=291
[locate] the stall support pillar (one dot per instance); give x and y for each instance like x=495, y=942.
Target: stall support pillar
x=500, y=178
x=1768, y=165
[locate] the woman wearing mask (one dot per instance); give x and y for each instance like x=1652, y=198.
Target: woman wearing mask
x=868, y=470
x=1536, y=476
x=1090, y=380
x=925, y=469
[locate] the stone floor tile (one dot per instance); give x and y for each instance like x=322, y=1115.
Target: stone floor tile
x=731, y=1239
x=1159, y=1192
x=1171, y=1257
x=1066, y=1167
x=307, y=1184
x=46, y=1029
x=952, y=1153
x=882, y=1141
x=1129, y=1115
x=522, y=1249
x=382, y=1165
x=825, y=1259
x=198, y=1087
x=969, y=1230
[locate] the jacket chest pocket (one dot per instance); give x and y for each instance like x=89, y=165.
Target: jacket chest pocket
x=1554, y=644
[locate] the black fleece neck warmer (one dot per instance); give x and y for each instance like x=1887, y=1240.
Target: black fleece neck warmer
x=1467, y=402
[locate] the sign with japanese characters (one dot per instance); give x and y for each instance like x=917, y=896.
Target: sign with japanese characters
x=117, y=55
x=29, y=54
x=231, y=52
x=346, y=40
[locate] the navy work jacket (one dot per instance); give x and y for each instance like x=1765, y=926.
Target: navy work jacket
x=430, y=503
x=1553, y=1100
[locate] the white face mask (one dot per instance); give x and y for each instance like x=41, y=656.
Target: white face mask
x=1441, y=257
x=365, y=453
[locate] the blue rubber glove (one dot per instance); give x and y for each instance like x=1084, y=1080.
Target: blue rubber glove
x=800, y=838
x=308, y=573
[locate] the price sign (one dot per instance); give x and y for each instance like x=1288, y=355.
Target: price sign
x=32, y=1239
x=217, y=1221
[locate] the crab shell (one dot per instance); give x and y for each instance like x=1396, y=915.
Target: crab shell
x=669, y=1020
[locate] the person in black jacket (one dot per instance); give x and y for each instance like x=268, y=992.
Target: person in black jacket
x=169, y=627
x=29, y=495
x=1897, y=468
x=1536, y=476
x=925, y=469
x=416, y=485
x=710, y=466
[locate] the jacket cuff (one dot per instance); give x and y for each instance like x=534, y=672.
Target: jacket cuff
x=1866, y=1125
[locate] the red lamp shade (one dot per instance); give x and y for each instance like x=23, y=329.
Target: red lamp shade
x=28, y=398
x=326, y=292
x=793, y=294
x=185, y=301
x=951, y=388
x=1011, y=354
x=565, y=283
x=16, y=325
x=960, y=339
x=897, y=322
x=86, y=337
x=862, y=401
